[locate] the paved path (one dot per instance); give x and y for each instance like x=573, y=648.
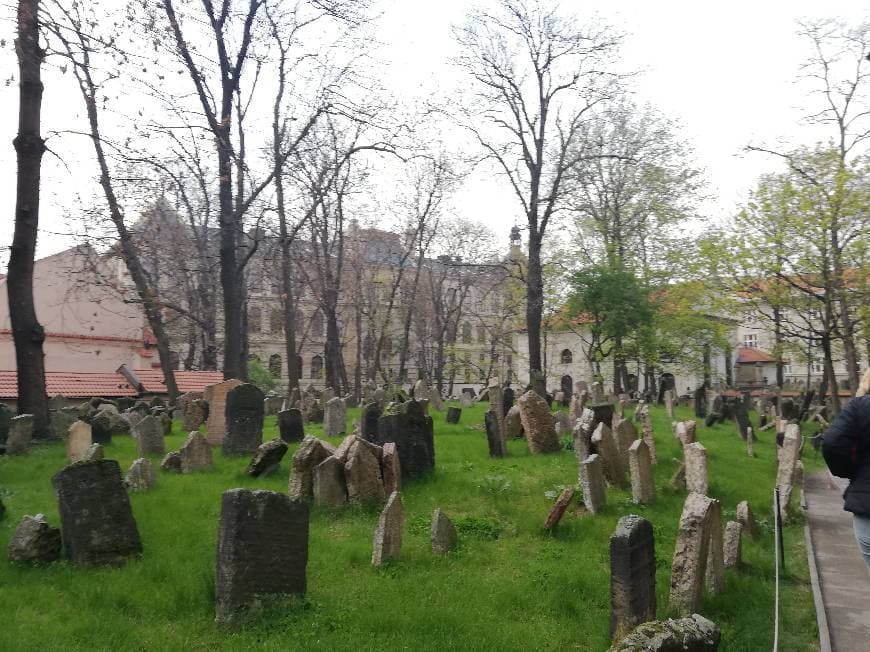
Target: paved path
x=843, y=577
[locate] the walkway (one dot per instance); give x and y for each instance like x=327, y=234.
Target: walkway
x=843, y=581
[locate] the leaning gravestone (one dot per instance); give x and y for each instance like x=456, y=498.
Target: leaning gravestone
x=362, y=473
x=558, y=510
x=538, y=424
x=101, y=428
x=194, y=414
x=96, y=519
x=699, y=526
x=615, y=465
x=244, y=422
x=453, y=414
x=262, y=551
x=310, y=453
x=494, y=439
x=632, y=575
x=34, y=541
x=216, y=395
x=334, y=418
x=592, y=482
x=267, y=457
x=388, y=535
x=746, y=518
x=195, y=454
x=20, y=435
x=583, y=435
x=391, y=469
x=149, y=437
x=290, y=425
x=731, y=546
x=513, y=425
x=411, y=430
x=140, y=476
x=435, y=400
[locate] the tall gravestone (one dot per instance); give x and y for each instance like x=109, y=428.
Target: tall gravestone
x=194, y=414
x=538, y=424
x=371, y=414
x=696, y=467
x=700, y=402
x=20, y=434
x=262, y=550
x=592, y=483
x=632, y=575
x=411, y=430
x=494, y=440
x=149, y=436
x=216, y=395
x=78, y=441
x=334, y=417
x=290, y=425
x=643, y=488
x=96, y=518
x=453, y=414
x=700, y=523
x=387, y=544
x=244, y=420
x=615, y=465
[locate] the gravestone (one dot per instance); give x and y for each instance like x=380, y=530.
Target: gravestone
x=140, y=476
x=643, y=488
x=692, y=552
x=611, y=459
x=557, y=511
x=20, y=435
x=453, y=414
x=442, y=533
x=731, y=546
x=435, y=400
x=747, y=519
x=60, y=420
x=310, y=453
x=466, y=399
x=561, y=423
x=172, y=462
x=195, y=454
x=678, y=479
x=96, y=518
x=701, y=402
x=566, y=385
x=5, y=421
x=508, y=397
x=262, y=551
x=592, y=482
x=411, y=430
x=692, y=634
x=371, y=414
x=513, y=425
x=494, y=439
x=625, y=435
x=648, y=434
x=34, y=541
x=788, y=458
x=669, y=397
x=583, y=429
x=538, y=424
x=387, y=543
x=391, y=469
x=632, y=575
x=334, y=418
x=420, y=389
x=695, y=455
x=194, y=414
x=216, y=395
x=603, y=412
x=93, y=453
x=741, y=419
x=149, y=437
x=362, y=474
x=267, y=457
x=685, y=432
x=290, y=425
x=244, y=420
x=329, y=486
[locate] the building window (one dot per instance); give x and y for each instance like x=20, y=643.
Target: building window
x=817, y=367
x=275, y=365
x=786, y=368
x=466, y=333
x=750, y=340
x=275, y=321
x=255, y=320
x=316, y=366
x=567, y=357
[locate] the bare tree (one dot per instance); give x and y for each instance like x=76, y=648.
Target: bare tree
x=537, y=73
x=27, y=332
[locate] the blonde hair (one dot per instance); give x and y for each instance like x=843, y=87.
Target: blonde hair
x=864, y=385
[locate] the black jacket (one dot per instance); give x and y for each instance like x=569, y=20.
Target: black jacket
x=846, y=447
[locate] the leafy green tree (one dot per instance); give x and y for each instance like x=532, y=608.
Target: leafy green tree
x=258, y=375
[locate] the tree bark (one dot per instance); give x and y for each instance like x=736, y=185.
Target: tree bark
x=27, y=332
x=534, y=303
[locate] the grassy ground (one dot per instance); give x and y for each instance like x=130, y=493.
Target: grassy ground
x=508, y=586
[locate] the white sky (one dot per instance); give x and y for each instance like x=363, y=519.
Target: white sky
x=726, y=71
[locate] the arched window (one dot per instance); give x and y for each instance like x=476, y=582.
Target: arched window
x=255, y=320
x=466, y=333
x=276, y=320
x=275, y=365
x=317, y=324
x=316, y=366
x=567, y=357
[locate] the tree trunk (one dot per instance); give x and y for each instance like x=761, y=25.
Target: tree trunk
x=708, y=363
x=534, y=305
x=27, y=332
x=777, y=334
x=332, y=349
x=830, y=376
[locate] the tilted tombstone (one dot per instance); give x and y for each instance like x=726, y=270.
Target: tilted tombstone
x=391, y=469
x=140, y=476
x=149, y=437
x=362, y=474
x=442, y=533
x=695, y=455
x=694, y=633
x=731, y=546
x=387, y=544
x=267, y=457
x=244, y=422
x=513, y=425
x=538, y=424
x=693, y=551
x=334, y=418
x=578, y=404
x=685, y=432
x=78, y=441
x=311, y=452
x=453, y=414
x=615, y=466
x=96, y=518
x=172, y=462
x=194, y=414
x=625, y=435
x=93, y=453
x=435, y=399
x=411, y=430
x=632, y=575
x=329, y=486
x=34, y=541
x=746, y=518
x=592, y=483
x=583, y=429
x=20, y=435
x=494, y=439
x=788, y=458
x=262, y=550
x=420, y=389
x=557, y=511
x=290, y=425
x=643, y=488
x=216, y=395
x=648, y=433
x=195, y=453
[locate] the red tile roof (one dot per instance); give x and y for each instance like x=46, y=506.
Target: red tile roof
x=72, y=384
x=745, y=355
x=187, y=381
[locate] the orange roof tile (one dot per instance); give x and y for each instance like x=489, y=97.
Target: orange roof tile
x=72, y=384
x=187, y=381
x=745, y=355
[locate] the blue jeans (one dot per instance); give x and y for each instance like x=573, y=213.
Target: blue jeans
x=861, y=524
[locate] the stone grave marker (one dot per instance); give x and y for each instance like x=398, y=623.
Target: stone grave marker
x=453, y=414
x=194, y=414
x=643, y=488
x=513, y=425
x=34, y=541
x=648, y=434
x=362, y=474
x=149, y=437
x=538, y=424
x=732, y=545
x=371, y=414
x=685, y=432
x=692, y=552
x=60, y=420
x=290, y=425
x=334, y=418
x=632, y=575
x=391, y=469
x=267, y=457
x=195, y=453
x=592, y=482
x=442, y=533
x=700, y=402
x=583, y=429
x=216, y=395
x=311, y=452
x=497, y=447
x=329, y=486
x=20, y=435
x=411, y=430
x=78, y=441
x=96, y=518
x=140, y=476
x=244, y=420
x=696, y=467
x=387, y=543
x=262, y=551
x=93, y=453
x=558, y=510
x=614, y=464
x=172, y=462
x=747, y=519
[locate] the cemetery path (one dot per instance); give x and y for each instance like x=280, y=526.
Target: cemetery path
x=841, y=581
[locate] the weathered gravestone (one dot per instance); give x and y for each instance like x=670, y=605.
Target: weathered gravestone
x=244, y=422
x=194, y=414
x=685, y=432
x=788, y=458
x=747, y=519
x=592, y=482
x=5, y=421
x=494, y=440
x=643, y=488
x=557, y=511
x=698, y=538
x=60, y=420
x=34, y=541
x=96, y=518
x=329, y=486
x=290, y=425
x=692, y=634
x=562, y=423
x=387, y=542
x=435, y=399
x=731, y=545
x=453, y=414
x=334, y=418
x=149, y=437
x=583, y=429
x=442, y=533
x=262, y=551
x=625, y=435
x=20, y=435
x=216, y=395
x=411, y=430
x=696, y=467
x=195, y=454
x=362, y=473
x=93, y=453
x=648, y=434
x=311, y=452
x=267, y=457
x=371, y=414
x=391, y=468
x=632, y=575
x=615, y=465
x=538, y=424
x=513, y=424
x=140, y=476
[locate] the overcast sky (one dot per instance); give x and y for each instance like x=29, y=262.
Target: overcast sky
x=726, y=71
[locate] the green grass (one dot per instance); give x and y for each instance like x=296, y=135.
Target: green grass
x=509, y=585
